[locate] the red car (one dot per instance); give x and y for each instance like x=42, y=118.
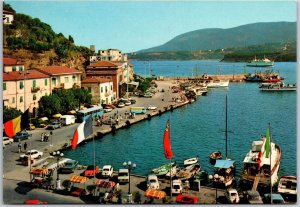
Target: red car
x=35, y=201
x=91, y=171
x=186, y=199
x=75, y=191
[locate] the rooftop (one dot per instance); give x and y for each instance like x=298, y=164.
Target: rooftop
x=20, y=75
x=95, y=80
x=56, y=70
x=11, y=61
x=104, y=64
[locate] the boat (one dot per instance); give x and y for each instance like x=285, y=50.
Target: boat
x=261, y=163
x=202, y=176
x=260, y=63
x=277, y=87
x=287, y=187
x=225, y=168
x=253, y=78
x=217, y=155
x=188, y=172
x=199, y=91
x=217, y=83
x=163, y=170
x=191, y=161
x=173, y=171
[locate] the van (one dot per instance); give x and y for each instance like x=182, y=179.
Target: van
x=67, y=119
x=138, y=110
x=176, y=186
x=123, y=176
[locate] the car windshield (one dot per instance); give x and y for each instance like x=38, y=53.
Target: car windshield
x=90, y=167
x=123, y=174
x=176, y=186
x=105, y=169
x=233, y=194
x=152, y=181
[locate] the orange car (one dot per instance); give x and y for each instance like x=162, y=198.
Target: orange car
x=91, y=171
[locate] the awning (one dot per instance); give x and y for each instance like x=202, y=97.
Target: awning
x=151, y=193
x=78, y=179
x=72, y=112
x=133, y=83
x=105, y=183
x=56, y=116
x=224, y=163
x=43, y=119
x=39, y=171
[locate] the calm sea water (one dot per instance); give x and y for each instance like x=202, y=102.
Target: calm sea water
x=198, y=128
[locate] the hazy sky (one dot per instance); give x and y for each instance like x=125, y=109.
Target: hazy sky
x=135, y=25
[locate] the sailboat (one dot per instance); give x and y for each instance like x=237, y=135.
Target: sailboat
x=225, y=168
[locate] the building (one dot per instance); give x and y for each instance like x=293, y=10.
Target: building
x=23, y=89
x=8, y=17
x=62, y=77
x=11, y=64
x=109, y=55
x=101, y=89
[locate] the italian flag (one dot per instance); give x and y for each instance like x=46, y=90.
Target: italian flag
x=84, y=130
x=13, y=126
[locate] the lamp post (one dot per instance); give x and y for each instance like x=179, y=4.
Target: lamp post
x=58, y=155
x=215, y=179
x=130, y=166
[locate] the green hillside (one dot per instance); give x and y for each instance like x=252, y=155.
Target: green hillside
x=241, y=36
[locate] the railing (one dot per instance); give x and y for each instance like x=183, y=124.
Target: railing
x=35, y=89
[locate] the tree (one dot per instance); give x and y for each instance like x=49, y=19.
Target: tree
x=10, y=113
x=49, y=105
x=67, y=99
x=81, y=96
x=71, y=39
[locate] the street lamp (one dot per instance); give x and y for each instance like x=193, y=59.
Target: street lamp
x=130, y=166
x=58, y=155
x=215, y=178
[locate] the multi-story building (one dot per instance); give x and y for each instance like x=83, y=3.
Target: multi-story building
x=11, y=64
x=23, y=89
x=62, y=77
x=109, y=55
x=101, y=89
x=8, y=17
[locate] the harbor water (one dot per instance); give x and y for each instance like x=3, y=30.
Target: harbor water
x=199, y=128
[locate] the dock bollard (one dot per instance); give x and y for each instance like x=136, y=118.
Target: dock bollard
x=159, y=112
x=127, y=123
x=148, y=116
x=171, y=107
x=113, y=128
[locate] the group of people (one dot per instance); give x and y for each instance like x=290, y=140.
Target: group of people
x=20, y=147
x=44, y=137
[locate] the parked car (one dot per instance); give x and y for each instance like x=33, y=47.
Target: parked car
x=69, y=166
x=121, y=105
x=7, y=140
x=232, y=195
x=186, y=199
x=107, y=109
x=91, y=171
x=107, y=171
x=31, y=127
x=148, y=95
x=21, y=136
x=176, y=187
x=276, y=198
x=54, y=125
x=76, y=191
x=123, y=176
x=127, y=103
x=108, y=106
x=253, y=197
x=34, y=154
x=133, y=101
x=35, y=201
x=152, y=182
x=152, y=107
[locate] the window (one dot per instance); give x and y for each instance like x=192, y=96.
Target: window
x=33, y=83
x=20, y=68
x=13, y=100
x=34, y=97
x=46, y=82
x=21, y=99
x=21, y=85
x=4, y=86
x=110, y=87
x=89, y=89
x=105, y=89
x=46, y=94
x=14, y=68
x=74, y=78
x=66, y=79
x=54, y=81
x=101, y=89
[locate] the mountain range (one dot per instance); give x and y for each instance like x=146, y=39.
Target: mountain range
x=241, y=36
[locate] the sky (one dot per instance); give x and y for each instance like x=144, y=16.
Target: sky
x=135, y=25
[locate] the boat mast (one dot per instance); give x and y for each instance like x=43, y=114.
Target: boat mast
x=226, y=127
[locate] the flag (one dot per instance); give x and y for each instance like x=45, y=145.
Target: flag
x=84, y=130
x=267, y=143
x=12, y=127
x=167, y=142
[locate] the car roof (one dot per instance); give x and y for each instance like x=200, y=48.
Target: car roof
x=106, y=166
x=123, y=170
x=152, y=176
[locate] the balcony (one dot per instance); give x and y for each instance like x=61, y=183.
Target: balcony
x=76, y=85
x=61, y=86
x=107, y=94
x=35, y=89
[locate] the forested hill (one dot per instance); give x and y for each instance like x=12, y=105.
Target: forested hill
x=241, y=36
x=36, y=44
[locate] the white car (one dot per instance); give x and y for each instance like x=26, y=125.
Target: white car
x=106, y=110
x=176, y=187
x=232, y=195
x=7, y=140
x=152, y=182
x=107, y=171
x=123, y=176
x=152, y=107
x=34, y=154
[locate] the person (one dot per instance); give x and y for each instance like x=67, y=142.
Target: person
x=42, y=137
x=25, y=146
x=19, y=147
x=117, y=121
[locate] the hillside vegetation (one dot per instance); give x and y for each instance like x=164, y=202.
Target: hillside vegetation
x=37, y=45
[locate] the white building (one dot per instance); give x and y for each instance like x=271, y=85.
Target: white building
x=110, y=55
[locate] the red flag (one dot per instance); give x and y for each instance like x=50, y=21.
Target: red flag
x=167, y=142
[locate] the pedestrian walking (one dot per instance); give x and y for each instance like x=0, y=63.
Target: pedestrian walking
x=19, y=147
x=25, y=146
x=42, y=137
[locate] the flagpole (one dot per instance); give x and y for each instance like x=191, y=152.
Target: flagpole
x=170, y=163
x=270, y=163
x=94, y=161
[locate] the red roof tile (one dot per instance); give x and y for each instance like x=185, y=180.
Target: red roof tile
x=95, y=80
x=55, y=70
x=104, y=64
x=11, y=61
x=100, y=72
x=19, y=75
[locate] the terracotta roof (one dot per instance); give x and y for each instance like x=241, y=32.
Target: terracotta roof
x=19, y=75
x=55, y=70
x=11, y=61
x=7, y=12
x=104, y=64
x=104, y=72
x=96, y=80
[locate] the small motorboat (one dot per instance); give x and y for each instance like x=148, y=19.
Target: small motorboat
x=191, y=161
x=188, y=172
x=173, y=172
x=163, y=170
x=215, y=156
x=287, y=187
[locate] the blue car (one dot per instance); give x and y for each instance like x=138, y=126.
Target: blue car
x=21, y=136
x=54, y=125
